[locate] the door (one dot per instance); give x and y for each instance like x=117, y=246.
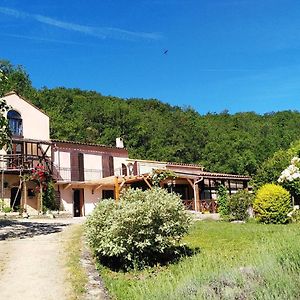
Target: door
x=78, y=203
x=15, y=198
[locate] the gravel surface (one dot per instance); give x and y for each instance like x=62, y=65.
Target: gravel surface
x=31, y=264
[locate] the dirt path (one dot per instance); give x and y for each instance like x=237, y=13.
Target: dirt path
x=31, y=260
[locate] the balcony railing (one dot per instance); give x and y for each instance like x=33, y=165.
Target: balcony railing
x=68, y=174
x=23, y=162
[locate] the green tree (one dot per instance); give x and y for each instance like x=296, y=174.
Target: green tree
x=271, y=169
x=4, y=126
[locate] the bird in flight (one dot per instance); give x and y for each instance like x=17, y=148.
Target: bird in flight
x=166, y=51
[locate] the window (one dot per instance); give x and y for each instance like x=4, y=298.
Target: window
x=15, y=122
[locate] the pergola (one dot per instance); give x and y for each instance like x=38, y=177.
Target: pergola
x=117, y=183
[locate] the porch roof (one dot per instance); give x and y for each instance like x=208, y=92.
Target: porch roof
x=112, y=181
x=106, y=182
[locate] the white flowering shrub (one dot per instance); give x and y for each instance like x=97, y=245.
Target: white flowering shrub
x=292, y=172
x=290, y=177
x=138, y=231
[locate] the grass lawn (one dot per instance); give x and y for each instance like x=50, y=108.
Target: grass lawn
x=75, y=272
x=236, y=261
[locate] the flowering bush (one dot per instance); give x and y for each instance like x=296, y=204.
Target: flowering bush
x=43, y=181
x=272, y=204
x=295, y=216
x=139, y=230
x=290, y=177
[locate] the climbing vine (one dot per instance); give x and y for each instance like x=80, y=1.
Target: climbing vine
x=159, y=175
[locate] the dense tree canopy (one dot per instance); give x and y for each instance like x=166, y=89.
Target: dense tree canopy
x=237, y=143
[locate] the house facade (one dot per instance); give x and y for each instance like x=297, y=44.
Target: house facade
x=30, y=148
x=73, y=166
x=84, y=173
x=77, y=167
x=197, y=187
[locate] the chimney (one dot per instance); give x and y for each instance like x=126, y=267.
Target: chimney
x=119, y=143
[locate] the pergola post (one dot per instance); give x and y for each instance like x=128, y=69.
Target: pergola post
x=117, y=190
x=25, y=196
x=196, y=197
x=41, y=198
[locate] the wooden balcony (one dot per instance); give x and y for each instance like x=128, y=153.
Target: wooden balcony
x=21, y=162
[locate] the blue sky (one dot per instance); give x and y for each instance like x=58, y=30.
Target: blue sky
x=222, y=54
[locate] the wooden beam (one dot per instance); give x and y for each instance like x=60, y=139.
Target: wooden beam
x=68, y=185
x=117, y=190
x=25, y=195
x=147, y=182
x=41, y=198
x=197, y=198
x=190, y=182
x=98, y=187
x=122, y=184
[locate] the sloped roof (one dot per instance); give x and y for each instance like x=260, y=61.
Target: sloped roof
x=86, y=144
x=24, y=99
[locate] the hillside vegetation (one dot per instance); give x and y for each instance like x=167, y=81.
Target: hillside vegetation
x=235, y=143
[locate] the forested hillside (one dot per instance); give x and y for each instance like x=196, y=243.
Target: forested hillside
x=237, y=143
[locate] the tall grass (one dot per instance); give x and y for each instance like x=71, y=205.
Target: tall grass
x=76, y=275
x=236, y=261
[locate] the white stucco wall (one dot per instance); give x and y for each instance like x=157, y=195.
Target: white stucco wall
x=35, y=123
x=118, y=161
x=147, y=167
x=91, y=199
x=62, y=162
x=66, y=196
x=92, y=167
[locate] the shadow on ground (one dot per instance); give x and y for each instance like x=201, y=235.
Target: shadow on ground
x=10, y=229
x=171, y=255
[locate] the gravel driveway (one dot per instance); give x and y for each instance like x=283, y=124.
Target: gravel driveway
x=31, y=259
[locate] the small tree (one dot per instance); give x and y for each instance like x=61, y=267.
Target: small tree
x=238, y=205
x=222, y=199
x=4, y=126
x=272, y=204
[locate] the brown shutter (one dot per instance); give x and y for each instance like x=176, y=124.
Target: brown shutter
x=80, y=167
x=124, y=170
x=74, y=166
x=105, y=166
x=135, y=169
x=111, y=166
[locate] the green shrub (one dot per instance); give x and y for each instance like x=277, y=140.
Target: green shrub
x=272, y=204
x=295, y=216
x=49, y=201
x=238, y=205
x=222, y=199
x=4, y=207
x=140, y=230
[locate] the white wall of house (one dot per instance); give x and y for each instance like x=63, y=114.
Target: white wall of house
x=92, y=167
x=35, y=123
x=91, y=198
x=118, y=161
x=147, y=167
x=66, y=196
x=62, y=162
